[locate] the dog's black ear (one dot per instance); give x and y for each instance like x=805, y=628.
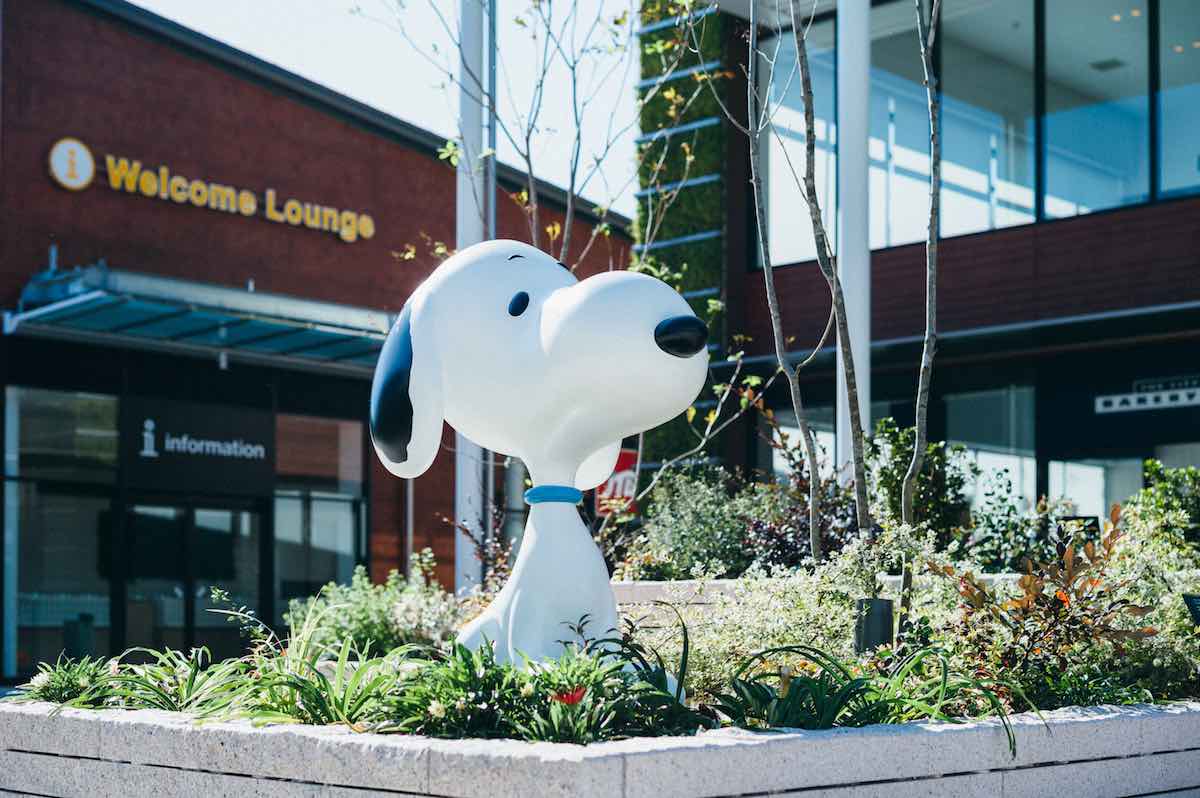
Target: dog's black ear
x=406, y=400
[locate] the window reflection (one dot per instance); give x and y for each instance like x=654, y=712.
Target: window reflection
x=1179, y=96
x=898, y=144
x=1093, y=486
x=1097, y=110
x=60, y=435
x=997, y=428
x=988, y=113
x=788, y=221
x=319, y=518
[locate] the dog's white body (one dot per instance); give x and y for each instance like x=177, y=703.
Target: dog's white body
x=559, y=385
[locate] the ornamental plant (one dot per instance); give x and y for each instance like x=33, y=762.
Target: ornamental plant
x=378, y=618
x=174, y=681
x=75, y=682
x=940, y=501
x=1172, y=490
x=1063, y=610
x=820, y=692
x=782, y=537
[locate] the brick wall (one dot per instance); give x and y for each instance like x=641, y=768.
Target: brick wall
x=1149, y=255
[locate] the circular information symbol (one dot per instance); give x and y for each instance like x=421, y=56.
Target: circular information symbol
x=71, y=164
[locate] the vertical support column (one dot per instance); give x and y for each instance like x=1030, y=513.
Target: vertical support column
x=12, y=525
x=469, y=229
x=853, y=230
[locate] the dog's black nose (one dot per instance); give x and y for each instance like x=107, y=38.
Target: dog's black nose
x=681, y=336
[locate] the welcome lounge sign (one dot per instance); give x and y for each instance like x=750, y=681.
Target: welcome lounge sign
x=73, y=167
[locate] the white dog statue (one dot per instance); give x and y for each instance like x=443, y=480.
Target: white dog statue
x=506, y=345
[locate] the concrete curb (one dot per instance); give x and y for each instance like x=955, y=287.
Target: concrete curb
x=1095, y=751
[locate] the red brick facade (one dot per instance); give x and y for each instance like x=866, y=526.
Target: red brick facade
x=69, y=69
x=1131, y=258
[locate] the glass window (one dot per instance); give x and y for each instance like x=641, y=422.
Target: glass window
x=898, y=143
x=56, y=586
x=1179, y=96
x=788, y=222
x=997, y=428
x=988, y=149
x=1097, y=110
x=316, y=453
x=60, y=435
x=225, y=546
x=820, y=421
x=1094, y=486
x=318, y=539
x=319, y=519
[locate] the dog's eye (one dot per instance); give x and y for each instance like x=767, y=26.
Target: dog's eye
x=519, y=302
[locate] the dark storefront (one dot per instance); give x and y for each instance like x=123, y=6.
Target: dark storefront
x=136, y=482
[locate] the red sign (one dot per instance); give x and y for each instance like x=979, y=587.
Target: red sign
x=616, y=495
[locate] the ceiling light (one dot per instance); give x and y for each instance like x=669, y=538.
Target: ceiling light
x=1115, y=17
x=1196, y=44
x=1135, y=12
x=1178, y=48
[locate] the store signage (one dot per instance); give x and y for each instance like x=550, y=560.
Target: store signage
x=1155, y=394
x=73, y=167
x=617, y=494
x=185, y=446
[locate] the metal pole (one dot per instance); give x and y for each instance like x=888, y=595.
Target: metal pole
x=469, y=227
x=490, y=200
x=853, y=228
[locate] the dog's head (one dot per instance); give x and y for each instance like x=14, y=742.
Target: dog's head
x=518, y=355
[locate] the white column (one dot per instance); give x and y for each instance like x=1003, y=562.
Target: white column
x=853, y=243
x=469, y=225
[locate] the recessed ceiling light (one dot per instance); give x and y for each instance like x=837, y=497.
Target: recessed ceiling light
x=1196, y=44
x=1135, y=12
x=1115, y=17
x=1178, y=48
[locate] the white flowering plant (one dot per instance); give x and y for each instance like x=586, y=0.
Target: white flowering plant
x=83, y=682
x=381, y=617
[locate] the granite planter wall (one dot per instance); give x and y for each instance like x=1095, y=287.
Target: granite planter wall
x=1098, y=751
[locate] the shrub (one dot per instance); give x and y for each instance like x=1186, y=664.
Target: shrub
x=940, y=501
x=1001, y=536
x=378, y=618
x=782, y=537
x=176, y=682
x=823, y=693
x=1065, y=611
x=1172, y=490
x=695, y=524
x=772, y=608
x=79, y=682
x=597, y=690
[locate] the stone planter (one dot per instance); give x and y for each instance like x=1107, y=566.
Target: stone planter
x=1098, y=751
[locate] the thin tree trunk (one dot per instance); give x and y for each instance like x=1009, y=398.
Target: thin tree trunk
x=829, y=270
x=925, y=35
x=754, y=130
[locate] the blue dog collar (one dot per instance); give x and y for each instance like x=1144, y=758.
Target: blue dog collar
x=553, y=493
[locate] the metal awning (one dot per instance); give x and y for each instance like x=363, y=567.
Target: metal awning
x=98, y=305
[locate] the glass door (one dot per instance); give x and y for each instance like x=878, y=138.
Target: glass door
x=224, y=554
x=156, y=584
x=176, y=554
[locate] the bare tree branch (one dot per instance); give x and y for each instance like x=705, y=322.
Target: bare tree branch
x=926, y=31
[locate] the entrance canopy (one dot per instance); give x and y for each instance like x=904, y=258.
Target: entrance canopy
x=98, y=305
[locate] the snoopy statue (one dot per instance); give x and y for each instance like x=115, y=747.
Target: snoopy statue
x=508, y=347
